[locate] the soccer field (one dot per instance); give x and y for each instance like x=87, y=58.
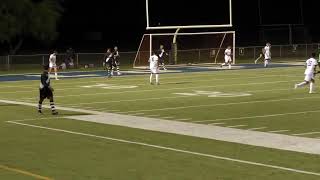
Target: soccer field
x=189, y=127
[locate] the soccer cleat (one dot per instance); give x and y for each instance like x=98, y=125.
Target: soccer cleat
x=164, y=69
x=295, y=86
x=157, y=83
x=55, y=113
x=119, y=74
x=39, y=111
x=151, y=83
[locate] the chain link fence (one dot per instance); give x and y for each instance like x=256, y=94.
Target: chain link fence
x=294, y=52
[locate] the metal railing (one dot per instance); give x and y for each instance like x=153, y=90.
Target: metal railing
x=243, y=55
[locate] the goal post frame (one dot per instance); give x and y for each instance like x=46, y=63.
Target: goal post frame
x=148, y=27
x=176, y=34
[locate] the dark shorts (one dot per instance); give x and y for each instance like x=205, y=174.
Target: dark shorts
x=45, y=93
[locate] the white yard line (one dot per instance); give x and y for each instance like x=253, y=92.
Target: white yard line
x=217, y=123
x=257, y=128
x=171, y=149
x=168, y=117
x=240, y=125
x=278, y=131
x=158, y=98
x=307, y=133
x=136, y=114
x=35, y=119
x=185, y=77
x=168, y=89
x=184, y=119
x=228, y=104
x=253, y=117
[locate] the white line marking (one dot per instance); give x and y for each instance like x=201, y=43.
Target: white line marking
x=257, y=128
x=253, y=117
x=167, y=117
x=185, y=119
x=167, y=89
x=228, y=104
x=172, y=149
x=34, y=119
x=146, y=99
x=217, y=123
x=136, y=114
x=278, y=131
x=154, y=115
x=234, y=126
x=307, y=133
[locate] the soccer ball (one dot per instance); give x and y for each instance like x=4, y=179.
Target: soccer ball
x=86, y=66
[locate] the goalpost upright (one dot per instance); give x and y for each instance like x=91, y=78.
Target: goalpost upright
x=175, y=36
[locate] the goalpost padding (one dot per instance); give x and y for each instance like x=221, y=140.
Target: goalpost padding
x=190, y=48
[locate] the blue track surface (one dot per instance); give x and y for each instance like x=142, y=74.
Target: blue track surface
x=173, y=69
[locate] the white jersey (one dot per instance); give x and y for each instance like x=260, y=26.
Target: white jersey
x=227, y=55
x=311, y=65
x=52, y=60
x=153, y=60
x=267, y=52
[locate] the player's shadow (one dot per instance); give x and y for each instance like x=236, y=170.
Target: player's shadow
x=9, y=105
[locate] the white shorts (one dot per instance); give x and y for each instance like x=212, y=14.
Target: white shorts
x=51, y=65
x=154, y=70
x=227, y=59
x=308, y=77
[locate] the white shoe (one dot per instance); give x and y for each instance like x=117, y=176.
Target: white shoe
x=57, y=79
x=311, y=92
x=295, y=86
x=119, y=73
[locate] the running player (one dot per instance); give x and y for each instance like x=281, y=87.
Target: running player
x=227, y=57
x=154, y=67
x=161, y=54
x=46, y=91
x=267, y=54
x=116, y=61
x=53, y=63
x=311, y=65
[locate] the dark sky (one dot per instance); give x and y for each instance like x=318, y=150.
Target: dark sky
x=104, y=23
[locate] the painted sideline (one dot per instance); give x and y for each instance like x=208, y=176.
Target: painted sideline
x=171, y=149
x=255, y=138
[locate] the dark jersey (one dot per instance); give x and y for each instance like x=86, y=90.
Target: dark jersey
x=45, y=80
x=45, y=89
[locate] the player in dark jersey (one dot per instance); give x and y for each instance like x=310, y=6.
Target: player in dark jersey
x=116, y=61
x=46, y=91
x=161, y=54
x=108, y=58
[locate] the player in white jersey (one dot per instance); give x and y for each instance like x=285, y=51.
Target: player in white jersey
x=154, y=67
x=311, y=65
x=227, y=57
x=53, y=63
x=267, y=54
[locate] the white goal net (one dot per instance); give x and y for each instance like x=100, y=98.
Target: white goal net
x=186, y=48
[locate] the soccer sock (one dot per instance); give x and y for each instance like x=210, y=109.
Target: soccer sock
x=157, y=78
x=311, y=87
x=56, y=75
x=40, y=106
x=266, y=62
x=151, y=78
x=302, y=84
x=118, y=69
x=229, y=66
x=53, y=108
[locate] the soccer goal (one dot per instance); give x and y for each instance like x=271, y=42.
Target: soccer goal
x=186, y=48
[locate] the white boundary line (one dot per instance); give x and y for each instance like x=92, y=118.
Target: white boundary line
x=168, y=89
x=171, y=149
x=146, y=99
x=307, y=133
x=235, y=126
x=142, y=84
x=279, y=131
x=253, y=117
x=257, y=128
x=228, y=104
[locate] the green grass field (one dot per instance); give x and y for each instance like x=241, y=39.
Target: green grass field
x=54, y=147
